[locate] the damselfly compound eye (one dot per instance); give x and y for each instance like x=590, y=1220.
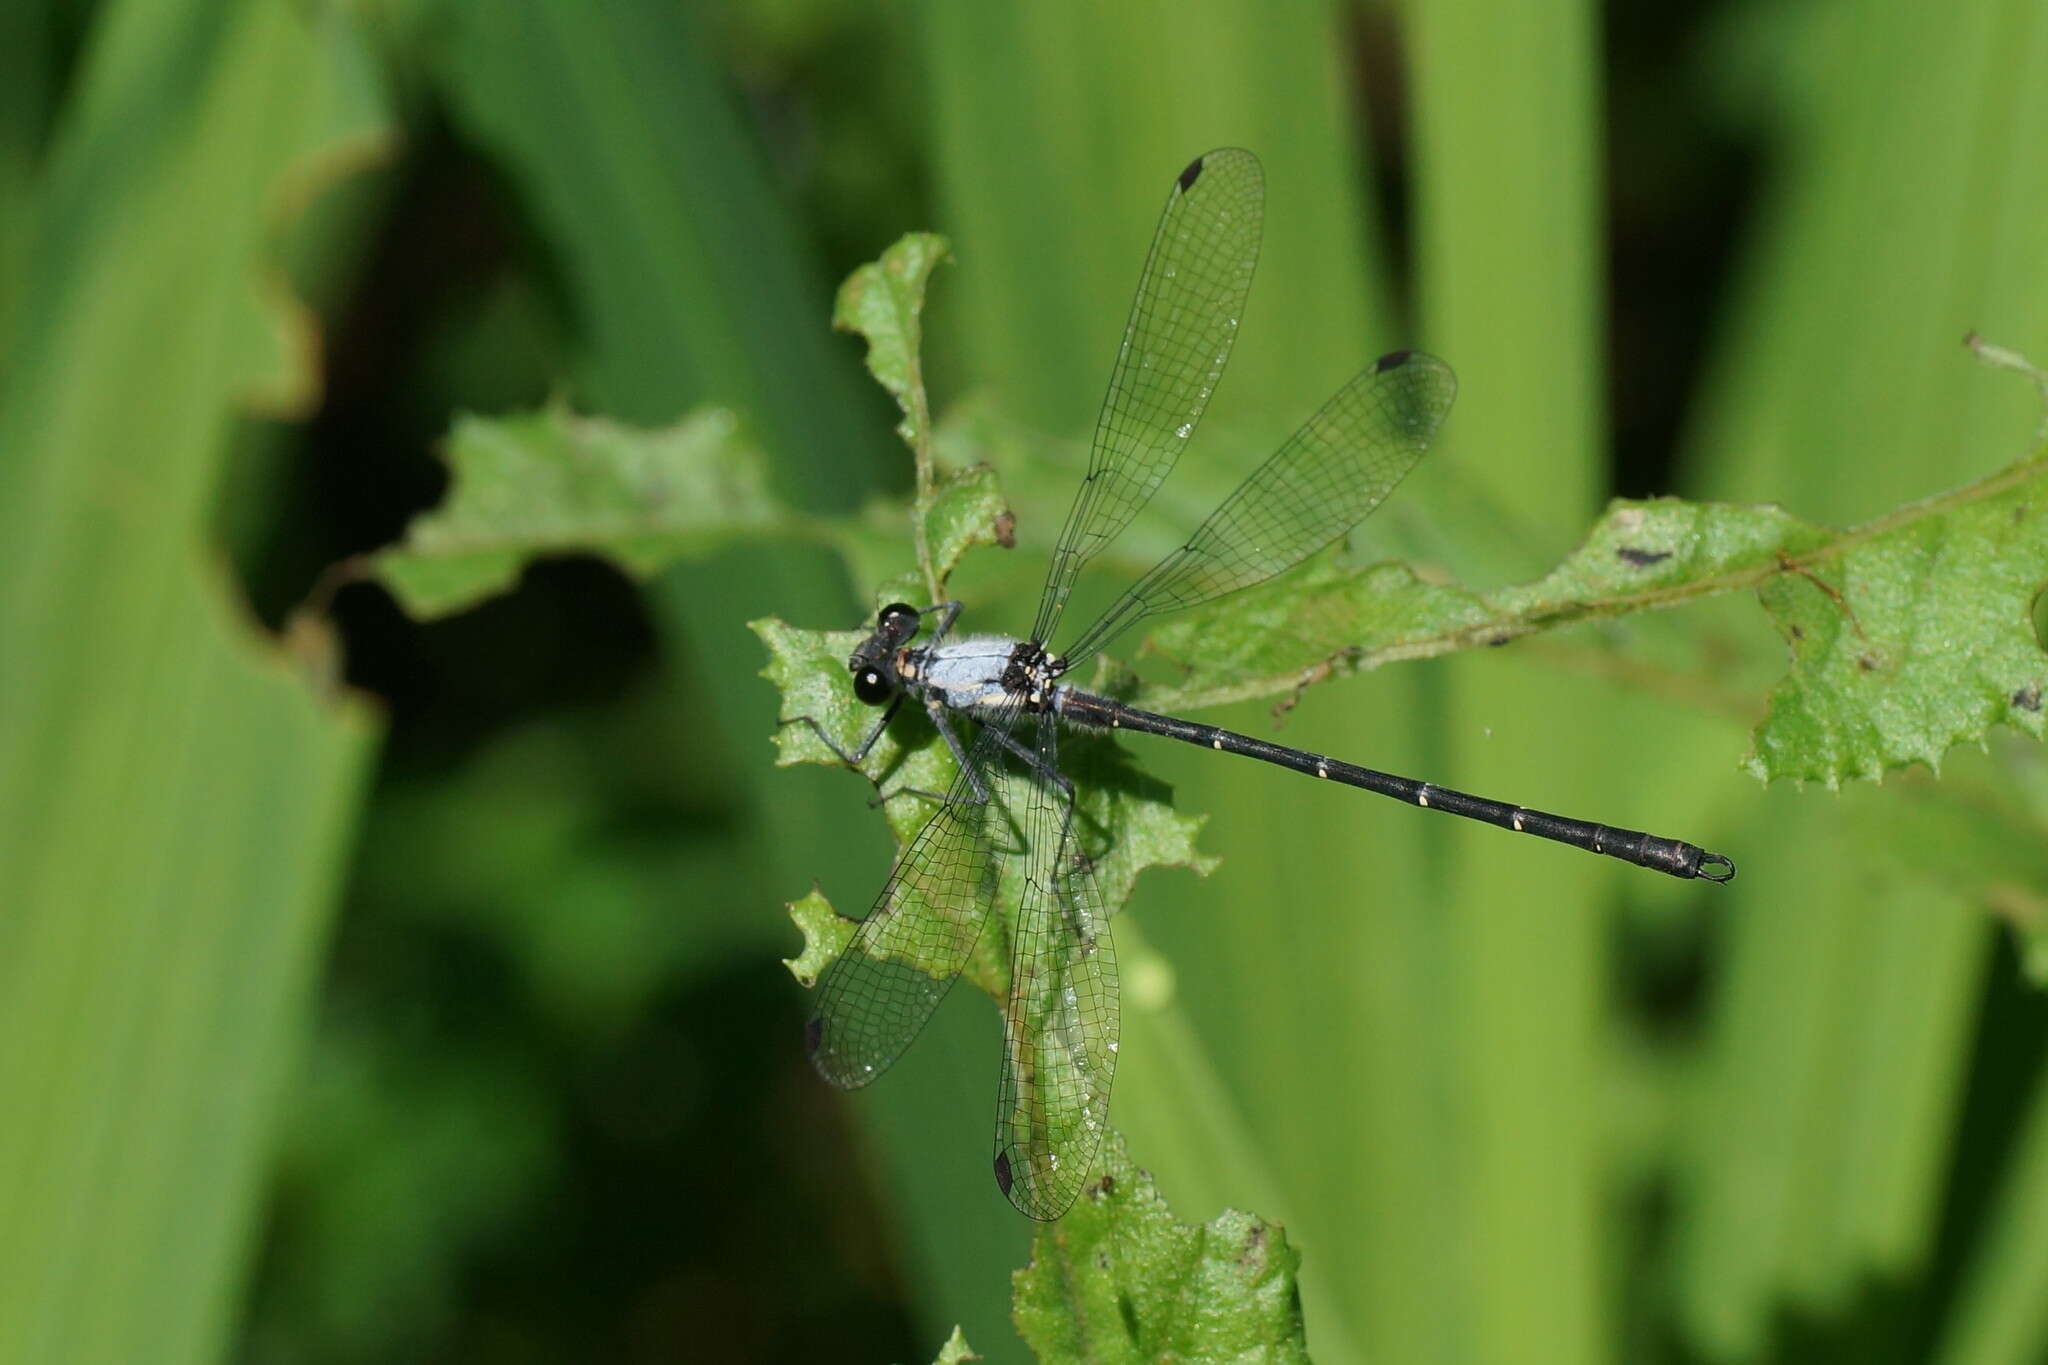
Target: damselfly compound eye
x=871, y=687
x=898, y=619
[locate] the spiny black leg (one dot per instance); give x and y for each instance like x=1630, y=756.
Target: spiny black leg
x=858, y=755
x=948, y=612
x=945, y=729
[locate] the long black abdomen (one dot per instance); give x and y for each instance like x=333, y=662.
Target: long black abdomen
x=1672, y=856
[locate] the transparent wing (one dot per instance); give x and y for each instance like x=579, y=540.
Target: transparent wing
x=1060, y=1022
x=1324, y=480
x=875, y=998
x=1182, y=326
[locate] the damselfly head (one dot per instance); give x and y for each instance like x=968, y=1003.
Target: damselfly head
x=873, y=664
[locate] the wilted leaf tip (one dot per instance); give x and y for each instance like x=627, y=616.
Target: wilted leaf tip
x=883, y=301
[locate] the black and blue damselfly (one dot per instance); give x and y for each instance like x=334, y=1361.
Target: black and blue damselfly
x=1009, y=814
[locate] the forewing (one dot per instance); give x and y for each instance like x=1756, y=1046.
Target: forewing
x=876, y=996
x=1060, y=1021
x=1183, y=323
x=1324, y=480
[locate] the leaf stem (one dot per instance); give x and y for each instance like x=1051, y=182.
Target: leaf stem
x=919, y=411
x=1512, y=624
x=2002, y=358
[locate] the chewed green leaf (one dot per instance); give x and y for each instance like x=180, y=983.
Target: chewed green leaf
x=1331, y=620
x=549, y=482
x=1323, y=620
x=1911, y=639
x=1127, y=822
x=955, y=1350
x=1907, y=635
x=825, y=932
x=1119, y=1279
x=884, y=302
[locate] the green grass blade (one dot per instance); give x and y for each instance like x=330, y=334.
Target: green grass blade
x=2001, y=1311
x=1026, y=116
x=1840, y=387
x=1508, y=244
x=175, y=795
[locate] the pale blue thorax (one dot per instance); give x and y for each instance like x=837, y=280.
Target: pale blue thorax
x=967, y=674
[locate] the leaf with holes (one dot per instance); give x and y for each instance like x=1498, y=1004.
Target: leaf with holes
x=1911, y=636
x=1330, y=619
x=1119, y=1278
x=549, y=483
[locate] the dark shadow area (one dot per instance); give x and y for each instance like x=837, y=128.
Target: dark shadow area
x=1680, y=191
x=2005, y=1077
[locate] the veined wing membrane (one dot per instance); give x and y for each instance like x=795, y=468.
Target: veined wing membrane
x=1324, y=480
x=1183, y=323
x=1060, y=1021
x=876, y=996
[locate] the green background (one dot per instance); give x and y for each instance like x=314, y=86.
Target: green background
x=381, y=991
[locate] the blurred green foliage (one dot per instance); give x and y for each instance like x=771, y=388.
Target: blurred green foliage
x=438, y=1014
